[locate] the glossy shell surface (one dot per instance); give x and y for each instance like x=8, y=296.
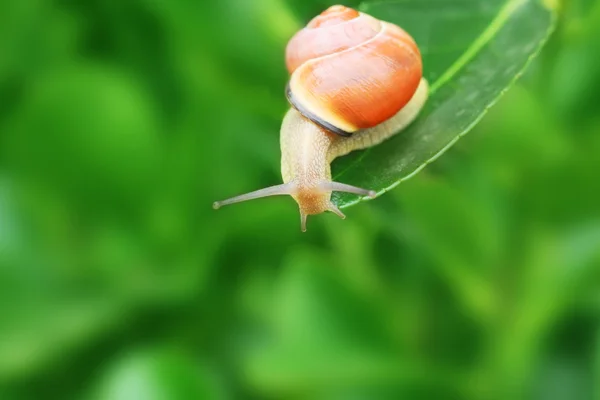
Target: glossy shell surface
x=352, y=71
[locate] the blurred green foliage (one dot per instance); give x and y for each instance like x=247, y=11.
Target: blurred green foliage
x=121, y=122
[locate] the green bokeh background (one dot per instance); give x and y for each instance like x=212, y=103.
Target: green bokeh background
x=120, y=123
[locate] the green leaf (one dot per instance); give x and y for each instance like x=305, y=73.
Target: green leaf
x=473, y=50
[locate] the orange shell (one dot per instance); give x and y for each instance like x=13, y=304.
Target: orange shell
x=351, y=70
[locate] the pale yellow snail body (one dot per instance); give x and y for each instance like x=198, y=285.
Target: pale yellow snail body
x=355, y=81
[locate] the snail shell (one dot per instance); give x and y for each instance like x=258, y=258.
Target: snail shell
x=350, y=71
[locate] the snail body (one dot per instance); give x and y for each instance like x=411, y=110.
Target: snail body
x=355, y=81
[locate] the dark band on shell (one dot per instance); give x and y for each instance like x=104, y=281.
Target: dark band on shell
x=313, y=117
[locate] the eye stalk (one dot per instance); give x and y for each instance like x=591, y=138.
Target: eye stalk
x=310, y=200
x=277, y=190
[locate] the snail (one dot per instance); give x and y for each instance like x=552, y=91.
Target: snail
x=355, y=81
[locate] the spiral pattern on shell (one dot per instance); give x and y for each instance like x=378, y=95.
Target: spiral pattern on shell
x=350, y=70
